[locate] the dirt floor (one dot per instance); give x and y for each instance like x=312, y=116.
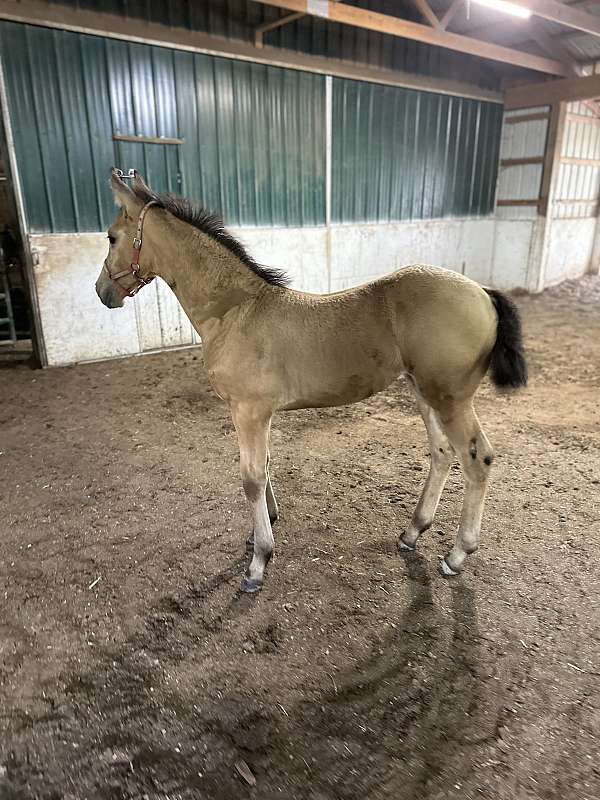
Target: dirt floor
x=131, y=667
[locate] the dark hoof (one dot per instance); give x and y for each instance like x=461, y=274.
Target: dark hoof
x=274, y=519
x=445, y=570
x=405, y=548
x=250, y=585
x=250, y=540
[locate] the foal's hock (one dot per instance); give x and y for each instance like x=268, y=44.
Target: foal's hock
x=269, y=348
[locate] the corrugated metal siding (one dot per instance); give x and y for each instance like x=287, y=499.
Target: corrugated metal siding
x=257, y=155
x=237, y=19
x=521, y=140
x=578, y=184
x=400, y=154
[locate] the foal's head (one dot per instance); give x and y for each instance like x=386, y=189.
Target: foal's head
x=121, y=276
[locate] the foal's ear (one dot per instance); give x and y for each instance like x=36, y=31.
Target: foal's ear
x=141, y=187
x=123, y=195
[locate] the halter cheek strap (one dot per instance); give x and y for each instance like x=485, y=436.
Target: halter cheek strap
x=134, y=266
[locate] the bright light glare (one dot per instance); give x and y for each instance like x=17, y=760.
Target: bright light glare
x=506, y=7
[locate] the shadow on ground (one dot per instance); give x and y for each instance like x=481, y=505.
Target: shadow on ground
x=403, y=722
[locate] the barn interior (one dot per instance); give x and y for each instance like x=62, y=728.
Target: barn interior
x=339, y=141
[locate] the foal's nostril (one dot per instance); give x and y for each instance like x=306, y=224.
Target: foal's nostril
x=102, y=294
x=108, y=296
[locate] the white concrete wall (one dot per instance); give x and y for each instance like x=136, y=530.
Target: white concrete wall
x=518, y=235
x=504, y=253
x=361, y=252
x=77, y=327
x=570, y=248
x=514, y=254
x=535, y=252
x=574, y=205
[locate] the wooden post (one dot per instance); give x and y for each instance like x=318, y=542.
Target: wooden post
x=540, y=247
x=552, y=154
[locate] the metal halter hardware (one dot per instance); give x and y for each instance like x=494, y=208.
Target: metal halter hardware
x=134, y=266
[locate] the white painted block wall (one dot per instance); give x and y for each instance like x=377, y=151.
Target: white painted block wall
x=574, y=208
x=77, y=327
x=515, y=249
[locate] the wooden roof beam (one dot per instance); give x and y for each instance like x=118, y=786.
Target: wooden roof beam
x=114, y=26
x=563, y=14
x=384, y=23
x=551, y=46
x=552, y=92
x=450, y=13
x=427, y=13
x=271, y=26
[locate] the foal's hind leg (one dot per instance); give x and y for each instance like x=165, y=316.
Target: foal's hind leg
x=475, y=455
x=252, y=427
x=442, y=456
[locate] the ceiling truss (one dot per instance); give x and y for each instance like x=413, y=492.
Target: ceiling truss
x=555, y=59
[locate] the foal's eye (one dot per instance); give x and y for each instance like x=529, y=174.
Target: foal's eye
x=111, y=239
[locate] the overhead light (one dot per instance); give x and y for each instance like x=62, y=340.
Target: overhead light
x=506, y=7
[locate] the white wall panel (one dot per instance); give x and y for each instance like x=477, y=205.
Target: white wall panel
x=569, y=249
x=362, y=252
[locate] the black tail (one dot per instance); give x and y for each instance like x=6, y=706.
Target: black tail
x=507, y=366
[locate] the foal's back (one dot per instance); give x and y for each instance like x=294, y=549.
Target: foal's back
x=339, y=348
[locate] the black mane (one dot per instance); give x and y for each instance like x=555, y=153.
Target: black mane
x=212, y=225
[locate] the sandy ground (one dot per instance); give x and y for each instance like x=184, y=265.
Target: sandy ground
x=131, y=667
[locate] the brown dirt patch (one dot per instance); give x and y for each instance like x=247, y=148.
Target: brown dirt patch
x=356, y=673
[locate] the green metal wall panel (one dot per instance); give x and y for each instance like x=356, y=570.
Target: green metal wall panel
x=253, y=136
x=237, y=19
x=399, y=154
x=245, y=153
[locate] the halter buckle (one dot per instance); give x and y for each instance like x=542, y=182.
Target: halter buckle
x=137, y=243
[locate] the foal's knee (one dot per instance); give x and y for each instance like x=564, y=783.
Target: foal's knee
x=254, y=481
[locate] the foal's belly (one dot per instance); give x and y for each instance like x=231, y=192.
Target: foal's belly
x=339, y=389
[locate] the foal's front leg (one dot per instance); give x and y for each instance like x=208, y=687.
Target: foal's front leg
x=252, y=425
x=271, y=502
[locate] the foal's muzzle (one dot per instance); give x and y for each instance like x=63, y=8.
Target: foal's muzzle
x=109, y=294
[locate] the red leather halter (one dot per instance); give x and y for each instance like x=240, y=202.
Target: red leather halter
x=134, y=267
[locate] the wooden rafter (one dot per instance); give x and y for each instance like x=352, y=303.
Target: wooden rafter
x=509, y=25
x=427, y=13
x=450, y=13
x=563, y=14
x=114, y=26
x=384, y=23
x=518, y=119
x=552, y=92
x=553, y=149
x=550, y=45
x=271, y=26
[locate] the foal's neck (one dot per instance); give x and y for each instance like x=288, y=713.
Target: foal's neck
x=209, y=281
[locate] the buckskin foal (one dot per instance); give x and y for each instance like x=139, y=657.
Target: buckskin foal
x=268, y=348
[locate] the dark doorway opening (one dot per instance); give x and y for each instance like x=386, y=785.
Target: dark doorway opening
x=16, y=336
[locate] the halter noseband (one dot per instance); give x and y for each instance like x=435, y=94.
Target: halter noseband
x=134, y=267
